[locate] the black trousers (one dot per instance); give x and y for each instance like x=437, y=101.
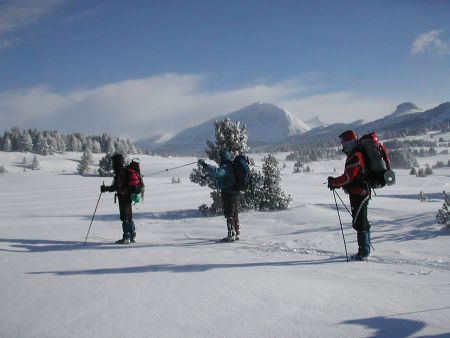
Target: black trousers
x=230, y=203
x=126, y=212
x=359, y=212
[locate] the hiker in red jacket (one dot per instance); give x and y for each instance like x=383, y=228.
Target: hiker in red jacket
x=352, y=181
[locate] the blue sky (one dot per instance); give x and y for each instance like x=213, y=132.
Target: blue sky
x=138, y=68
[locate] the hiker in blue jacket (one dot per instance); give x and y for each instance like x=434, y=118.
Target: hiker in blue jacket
x=225, y=179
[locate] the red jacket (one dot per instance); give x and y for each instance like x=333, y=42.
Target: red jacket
x=351, y=179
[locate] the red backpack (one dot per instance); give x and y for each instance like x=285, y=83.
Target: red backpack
x=135, y=181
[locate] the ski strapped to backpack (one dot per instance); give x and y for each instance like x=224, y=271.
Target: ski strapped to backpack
x=241, y=172
x=378, y=171
x=135, y=181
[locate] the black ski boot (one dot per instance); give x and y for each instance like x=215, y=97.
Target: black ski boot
x=364, y=246
x=231, y=233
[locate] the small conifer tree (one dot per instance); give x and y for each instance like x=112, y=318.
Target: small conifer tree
x=298, y=167
x=35, y=165
x=271, y=196
x=105, y=168
x=443, y=214
x=85, y=162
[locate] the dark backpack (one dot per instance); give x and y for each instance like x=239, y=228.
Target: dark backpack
x=241, y=172
x=378, y=171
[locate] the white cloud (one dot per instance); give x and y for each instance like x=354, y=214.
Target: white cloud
x=340, y=107
x=169, y=103
x=16, y=15
x=432, y=42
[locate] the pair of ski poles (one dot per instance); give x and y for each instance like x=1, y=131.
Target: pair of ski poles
x=151, y=174
x=340, y=222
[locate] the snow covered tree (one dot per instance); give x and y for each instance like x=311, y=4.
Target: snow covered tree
x=7, y=144
x=443, y=214
x=298, y=166
x=35, y=165
x=96, y=148
x=2, y=169
x=421, y=172
x=85, y=162
x=271, y=196
x=25, y=142
x=423, y=197
x=105, y=166
x=428, y=170
x=413, y=171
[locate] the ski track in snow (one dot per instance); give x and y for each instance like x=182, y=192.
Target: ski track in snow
x=282, y=249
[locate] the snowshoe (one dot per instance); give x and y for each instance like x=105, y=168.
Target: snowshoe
x=359, y=257
x=123, y=241
x=231, y=237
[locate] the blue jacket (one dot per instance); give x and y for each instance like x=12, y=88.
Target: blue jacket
x=224, y=177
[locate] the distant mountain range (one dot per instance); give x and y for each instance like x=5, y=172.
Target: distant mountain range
x=270, y=125
x=266, y=124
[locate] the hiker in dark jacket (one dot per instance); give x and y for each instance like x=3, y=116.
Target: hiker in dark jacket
x=225, y=179
x=121, y=188
x=352, y=181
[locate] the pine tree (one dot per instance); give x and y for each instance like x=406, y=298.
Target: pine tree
x=271, y=196
x=413, y=171
x=105, y=166
x=85, y=162
x=35, y=165
x=443, y=214
x=298, y=166
x=25, y=142
x=428, y=170
x=7, y=144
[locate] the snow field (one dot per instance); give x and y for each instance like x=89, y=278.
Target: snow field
x=287, y=277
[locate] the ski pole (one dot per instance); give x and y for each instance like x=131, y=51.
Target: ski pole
x=339, y=215
x=93, y=217
x=161, y=171
x=343, y=203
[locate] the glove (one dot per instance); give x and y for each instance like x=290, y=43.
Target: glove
x=103, y=188
x=202, y=163
x=330, y=186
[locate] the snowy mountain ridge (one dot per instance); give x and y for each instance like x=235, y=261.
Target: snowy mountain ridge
x=266, y=124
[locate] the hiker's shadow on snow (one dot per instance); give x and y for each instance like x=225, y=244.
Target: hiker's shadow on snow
x=165, y=215
x=391, y=327
x=420, y=227
x=187, y=268
x=43, y=245
x=431, y=197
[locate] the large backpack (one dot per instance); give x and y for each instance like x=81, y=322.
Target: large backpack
x=135, y=181
x=378, y=171
x=241, y=172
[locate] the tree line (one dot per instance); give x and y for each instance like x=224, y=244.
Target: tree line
x=51, y=142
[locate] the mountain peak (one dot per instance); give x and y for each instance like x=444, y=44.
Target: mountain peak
x=406, y=108
x=315, y=122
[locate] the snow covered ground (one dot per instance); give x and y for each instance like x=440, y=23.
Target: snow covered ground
x=287, y=277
